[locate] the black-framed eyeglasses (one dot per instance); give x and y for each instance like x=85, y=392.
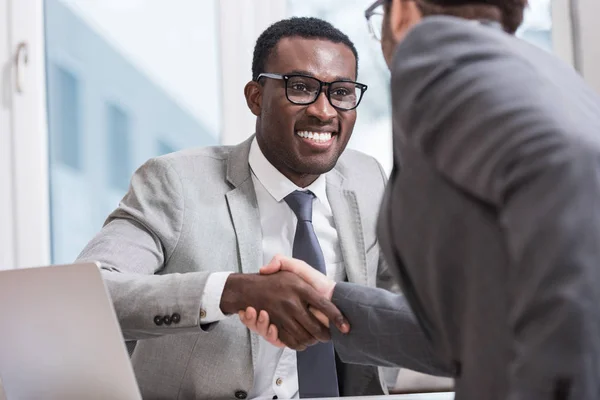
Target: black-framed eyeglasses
x=374, y=16
x=305, y=90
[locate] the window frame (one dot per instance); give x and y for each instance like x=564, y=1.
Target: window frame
x=26, y=179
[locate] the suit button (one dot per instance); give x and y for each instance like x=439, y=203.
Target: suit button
x=240, y=394
x=279, y=381
x=167, y=320
x=175, y=318
x=457, y=368
x=158, y=320
x=202, y=314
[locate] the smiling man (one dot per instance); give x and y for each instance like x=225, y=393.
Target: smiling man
x=181, y=252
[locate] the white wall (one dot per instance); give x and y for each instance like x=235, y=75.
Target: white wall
x=562, y=30
x=241, y=22
x=575, y=35
x=6, y=203
x=589, y=32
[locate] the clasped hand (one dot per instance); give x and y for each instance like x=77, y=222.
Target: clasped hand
x=265, y=323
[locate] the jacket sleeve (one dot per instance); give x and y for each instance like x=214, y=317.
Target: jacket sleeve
x=384, y=331
x=132, y=248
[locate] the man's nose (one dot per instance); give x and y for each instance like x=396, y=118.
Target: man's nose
x=322, y=108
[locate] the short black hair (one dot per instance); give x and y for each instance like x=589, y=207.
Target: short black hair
x=304, y=27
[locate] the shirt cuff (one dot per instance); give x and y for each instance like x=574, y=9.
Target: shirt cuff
x=210, y=311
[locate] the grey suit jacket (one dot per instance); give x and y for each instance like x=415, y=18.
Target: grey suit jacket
x=192, y=213
x=491, y=218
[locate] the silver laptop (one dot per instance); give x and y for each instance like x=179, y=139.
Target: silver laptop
x=60, y=338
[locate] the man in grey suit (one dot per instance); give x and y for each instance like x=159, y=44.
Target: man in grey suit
x=491, y=217
x=182, y=250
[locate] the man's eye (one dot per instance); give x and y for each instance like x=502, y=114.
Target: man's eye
x=299, y=87
x=341, y=92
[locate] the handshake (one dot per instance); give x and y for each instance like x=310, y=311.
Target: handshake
x=289, y=303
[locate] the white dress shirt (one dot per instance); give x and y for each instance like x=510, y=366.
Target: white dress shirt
x=275, y=372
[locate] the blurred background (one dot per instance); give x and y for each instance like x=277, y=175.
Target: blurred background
x=131, y=79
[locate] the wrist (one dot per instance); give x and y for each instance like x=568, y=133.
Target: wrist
x=231, y=299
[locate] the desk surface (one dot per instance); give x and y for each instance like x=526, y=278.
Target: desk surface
x=417, y=396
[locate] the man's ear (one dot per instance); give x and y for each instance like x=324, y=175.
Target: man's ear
x=402, y=15
x=253, y=93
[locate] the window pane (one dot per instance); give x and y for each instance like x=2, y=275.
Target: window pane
x=119, y=153
x=537, y=26
x=63, y=92
x=164, y=148
x=127, y=80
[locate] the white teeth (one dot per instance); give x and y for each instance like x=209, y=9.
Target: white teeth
x=316, y=136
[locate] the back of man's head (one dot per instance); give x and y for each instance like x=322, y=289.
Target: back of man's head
x=304, y=27
x=508, y=12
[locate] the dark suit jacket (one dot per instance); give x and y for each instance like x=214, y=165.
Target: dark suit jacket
x=491, y=219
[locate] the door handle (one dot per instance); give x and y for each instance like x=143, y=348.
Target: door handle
x=21, y=60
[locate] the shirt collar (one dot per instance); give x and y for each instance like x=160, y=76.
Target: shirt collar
x=275, y=182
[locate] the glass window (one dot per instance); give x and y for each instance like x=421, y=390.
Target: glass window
x=119, y=153
x=63, y=91
x=164, y=148
x=123, y=76
x=537, y=26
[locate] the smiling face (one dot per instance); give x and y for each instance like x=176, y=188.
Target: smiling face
x=302, y=141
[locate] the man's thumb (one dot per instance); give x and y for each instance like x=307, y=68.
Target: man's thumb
x=272, y=267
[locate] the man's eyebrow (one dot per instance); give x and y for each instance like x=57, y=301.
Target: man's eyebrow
x=302, y=72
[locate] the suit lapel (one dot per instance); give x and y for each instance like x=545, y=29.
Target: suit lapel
x=346, y=216
x=243, y=209
x=355, y=380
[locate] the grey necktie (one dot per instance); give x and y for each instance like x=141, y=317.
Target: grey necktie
x=317, y=375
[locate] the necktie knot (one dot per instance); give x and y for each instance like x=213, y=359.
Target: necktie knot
x=301, y=204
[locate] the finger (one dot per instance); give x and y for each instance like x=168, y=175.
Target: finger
x=273, y=336
x=262, y=327
x=318, y=331
x=292, y=318
x=298, y=320
x=295, y=265
x=319, y=315
x=304, y=330
x=251, y=314
x=273, y=266
x=309, y=274
x=290, y=340
x=330, y=311
x=250, y=319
